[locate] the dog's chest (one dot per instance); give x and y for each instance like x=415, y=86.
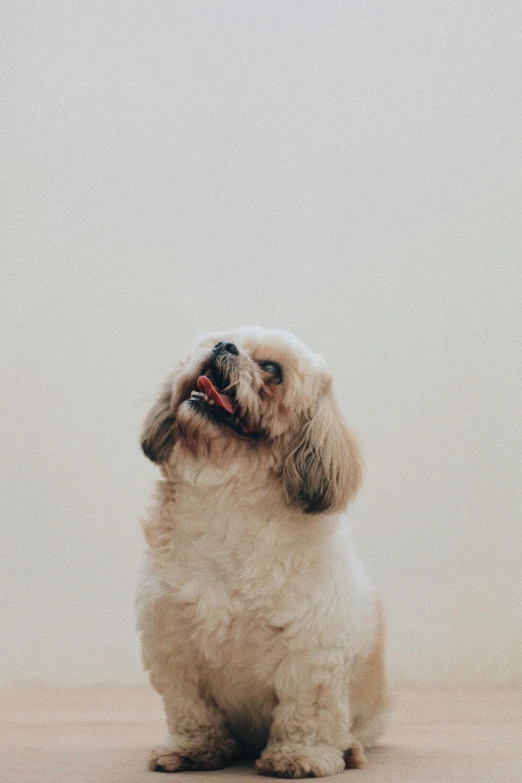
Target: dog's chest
x=228, y=555
x=229, y=580
x=228, y=577
x=230, y=596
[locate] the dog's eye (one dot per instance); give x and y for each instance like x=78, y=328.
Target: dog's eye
x=274, y=369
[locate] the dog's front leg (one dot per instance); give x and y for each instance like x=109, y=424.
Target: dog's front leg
x=198, y=738
x=310, y=731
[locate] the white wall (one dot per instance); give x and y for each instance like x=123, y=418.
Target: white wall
x=350, y=171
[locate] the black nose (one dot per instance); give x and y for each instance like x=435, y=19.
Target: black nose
x=225, y=348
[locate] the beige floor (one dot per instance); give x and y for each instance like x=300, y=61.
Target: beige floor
x=101, y=735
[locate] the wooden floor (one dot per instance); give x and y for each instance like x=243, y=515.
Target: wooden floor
x=101, y=735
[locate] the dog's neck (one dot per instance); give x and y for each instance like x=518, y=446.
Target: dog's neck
x=237, y=501
x=236, y=482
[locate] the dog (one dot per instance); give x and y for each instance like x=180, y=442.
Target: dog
x=259, y=626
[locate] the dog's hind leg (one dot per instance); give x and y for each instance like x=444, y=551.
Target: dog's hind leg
x=369, y=691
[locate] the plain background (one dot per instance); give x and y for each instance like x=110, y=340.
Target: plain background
x=350, y=171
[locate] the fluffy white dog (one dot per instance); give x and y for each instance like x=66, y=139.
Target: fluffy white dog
x=259, y=625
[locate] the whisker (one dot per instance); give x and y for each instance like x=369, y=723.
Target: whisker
x=231, y=386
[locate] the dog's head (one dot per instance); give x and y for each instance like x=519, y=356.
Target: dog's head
x=258, y=396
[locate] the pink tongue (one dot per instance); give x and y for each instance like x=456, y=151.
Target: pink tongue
x=206, y=386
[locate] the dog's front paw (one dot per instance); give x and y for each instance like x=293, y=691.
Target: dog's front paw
x=203, y=754
x=300, y=761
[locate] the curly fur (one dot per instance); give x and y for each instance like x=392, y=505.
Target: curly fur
x=259, y=626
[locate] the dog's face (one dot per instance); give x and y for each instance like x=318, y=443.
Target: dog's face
x=258, y=395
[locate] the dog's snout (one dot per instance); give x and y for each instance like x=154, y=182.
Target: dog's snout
x=223, y=347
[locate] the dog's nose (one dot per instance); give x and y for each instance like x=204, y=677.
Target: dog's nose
x=223, y=347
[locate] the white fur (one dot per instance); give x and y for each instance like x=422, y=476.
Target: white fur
x=253, y=618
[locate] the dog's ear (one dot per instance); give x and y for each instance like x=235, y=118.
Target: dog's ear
x=157, y=435
x=323, y=470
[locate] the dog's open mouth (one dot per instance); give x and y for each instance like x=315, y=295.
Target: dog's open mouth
x=214, y=396
x=221, y=405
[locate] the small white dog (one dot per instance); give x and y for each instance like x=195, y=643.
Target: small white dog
x=259, y=625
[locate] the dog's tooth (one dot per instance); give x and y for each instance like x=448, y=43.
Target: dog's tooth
x=210, y=402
